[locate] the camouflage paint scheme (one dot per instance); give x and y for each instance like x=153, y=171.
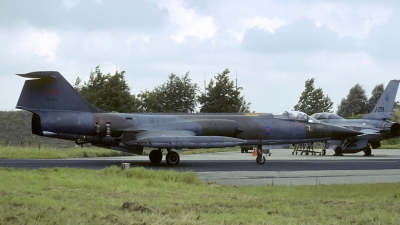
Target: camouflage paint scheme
x=60, y=112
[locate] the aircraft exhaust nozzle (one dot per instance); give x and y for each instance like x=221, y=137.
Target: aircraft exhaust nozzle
x=338, y=133
x=394, y=128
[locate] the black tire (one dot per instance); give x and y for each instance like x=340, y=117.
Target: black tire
x=323, y=152
x=338, y=151
x=155, y=156
x=172, y=158
x=367, y=151
x=242, y=150
x=260, y=159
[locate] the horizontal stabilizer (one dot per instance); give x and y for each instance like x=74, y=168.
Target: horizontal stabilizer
x=40, y=75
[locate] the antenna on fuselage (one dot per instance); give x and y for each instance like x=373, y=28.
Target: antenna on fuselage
x=205, y=83
x=236, y=79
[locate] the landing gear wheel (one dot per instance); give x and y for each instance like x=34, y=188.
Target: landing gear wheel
x=260, y=159
x=323, y=152
x=367, y=151
x=155, y=156
x=172, y=158
x=338, y=151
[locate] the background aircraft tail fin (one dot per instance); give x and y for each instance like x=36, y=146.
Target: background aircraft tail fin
x=48, y=90
x=384, y=107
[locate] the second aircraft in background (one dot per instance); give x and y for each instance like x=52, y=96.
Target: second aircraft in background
x=375, y=126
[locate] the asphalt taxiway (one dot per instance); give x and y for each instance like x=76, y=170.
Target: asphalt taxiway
x=235, y=168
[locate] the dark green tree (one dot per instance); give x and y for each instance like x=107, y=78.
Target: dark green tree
x=223, y=96
x=375, y=95
x=354, y=104
x=313, y=100
x=151, y=101
x=107, y=92
x=177, y=94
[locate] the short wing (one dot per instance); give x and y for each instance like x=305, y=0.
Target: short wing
x=177, y=139
x=370, y=131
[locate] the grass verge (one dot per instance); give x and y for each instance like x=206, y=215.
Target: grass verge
x=11, y=152
x=140, y=196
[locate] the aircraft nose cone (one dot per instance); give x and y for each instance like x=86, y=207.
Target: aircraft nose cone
x=337, y=133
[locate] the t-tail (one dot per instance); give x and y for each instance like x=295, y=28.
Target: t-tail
x=383, y=109
x=48, y=90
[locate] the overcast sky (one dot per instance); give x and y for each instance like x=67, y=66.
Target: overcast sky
x=272, y=46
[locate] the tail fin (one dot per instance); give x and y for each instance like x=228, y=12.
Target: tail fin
x=50, y=91
x=384, y=107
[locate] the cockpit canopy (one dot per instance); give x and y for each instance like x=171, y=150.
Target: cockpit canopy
x=320, y=116
x=299, y=116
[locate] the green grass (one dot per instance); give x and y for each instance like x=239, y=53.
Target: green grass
x=11, y=152
x=391, y=143
x=78, y=196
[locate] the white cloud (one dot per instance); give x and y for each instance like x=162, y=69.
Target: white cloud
x=188, y=22
x=263, y=23
x=347, y=19
x=70, y=3
x=237, y=35
x=32, y=42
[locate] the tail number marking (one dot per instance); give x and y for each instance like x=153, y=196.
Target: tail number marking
x=380, y=109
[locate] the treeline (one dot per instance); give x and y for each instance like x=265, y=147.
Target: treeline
x=177, y=94
x=354, y=105
x=181, y=95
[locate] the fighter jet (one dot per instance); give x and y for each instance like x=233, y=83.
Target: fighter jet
x=375, y=126
x=60, y=112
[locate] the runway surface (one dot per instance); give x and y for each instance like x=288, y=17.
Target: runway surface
x=235, y=168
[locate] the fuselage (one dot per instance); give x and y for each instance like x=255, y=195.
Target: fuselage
x=108, y=128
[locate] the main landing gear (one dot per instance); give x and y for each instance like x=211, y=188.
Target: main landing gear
x=338, y=151
x=367, y=151
x=172, y=157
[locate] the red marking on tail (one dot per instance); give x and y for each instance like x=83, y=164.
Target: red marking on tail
x=52, y=92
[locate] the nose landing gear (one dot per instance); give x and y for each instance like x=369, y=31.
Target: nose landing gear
x=260, y=155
